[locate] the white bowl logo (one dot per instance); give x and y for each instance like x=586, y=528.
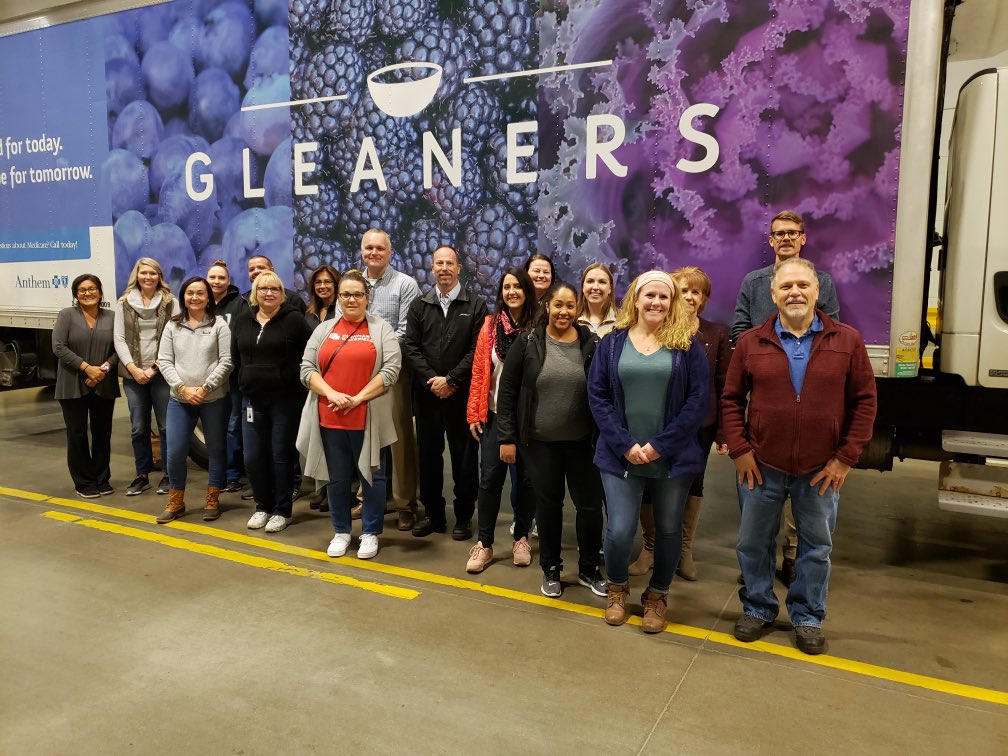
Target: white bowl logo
x=401, y=99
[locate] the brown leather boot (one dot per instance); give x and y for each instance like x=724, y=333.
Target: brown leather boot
x=211, y=510
x=655, y=607
x=691, y=515
x=615, y=613
x=645, y=561
x=175, y=507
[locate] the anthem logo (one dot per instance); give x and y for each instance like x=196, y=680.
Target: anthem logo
x=31, y=282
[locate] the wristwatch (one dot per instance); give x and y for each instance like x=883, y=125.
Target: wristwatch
x=104, y=368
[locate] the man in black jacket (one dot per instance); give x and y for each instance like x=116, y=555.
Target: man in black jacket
x=441, y=331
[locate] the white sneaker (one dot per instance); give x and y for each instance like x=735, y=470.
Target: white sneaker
x=511, y=529
x=338, y=545
x=368, y=546
x=534, y=533
x=277, y=523
x=258, y=520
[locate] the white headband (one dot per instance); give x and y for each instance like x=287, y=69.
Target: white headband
x=654, y=275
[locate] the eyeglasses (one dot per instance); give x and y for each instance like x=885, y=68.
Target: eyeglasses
x=789, y=234
x=268, y=290
x=92, y=290
x=346, y=296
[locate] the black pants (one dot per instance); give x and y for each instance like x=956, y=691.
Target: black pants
x=491, y=486
x=435, y=420
x=548, y=464
x=88, y=459
x=706, y=438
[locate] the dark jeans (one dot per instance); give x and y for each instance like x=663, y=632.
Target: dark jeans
x=182, y=422
x=342, y=450
x=623, y=497
x=142, y=398
x=436, y=419
x=88, y=459
x=706, y=438
x=491, y=486
x=548, y=464
x=270, y=455
x=235, y=459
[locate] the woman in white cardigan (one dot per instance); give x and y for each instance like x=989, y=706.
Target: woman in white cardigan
x=350, y=364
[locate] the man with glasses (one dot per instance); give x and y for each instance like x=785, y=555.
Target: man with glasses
x=755, y=306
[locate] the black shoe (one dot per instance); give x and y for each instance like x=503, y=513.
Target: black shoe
x=88, y=493
x=425, y=527
x=296, y=493
x=462, y=531
x=233, y=486
x=316, y=499
x=749, y=628
x=810, y=639
x=162, y=486
x=247, y=494
x=138, y=486
x=786, y=574
x=323, y=505
x=105, y=489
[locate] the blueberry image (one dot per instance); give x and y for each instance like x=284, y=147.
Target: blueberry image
x=128, y=234
x=125, y=175
x=349, y=20
x=252, y=230
x=171, y=156
x=197, y=219
x=336, y=69
x=421, y=239
x=169, y=73
x=117, y=46
x=281, y=251
x=494, y=240
x=271, y=12
x=150, y=212
x=154, y=24
x=176, y=126
x=228, y=33
x=227, y=166
x=213, y=100
x=138, y=129
x=504, y=34
x=123, y=24
x=521, y=198
x=310, y=252
x=451, y=47
x=270, y=55
x=278, y=181
x=264, y=129
x=186, y=35
x=234, y=126
x=320, y=214
x=210, y=253
x=397, y=18
x=457, y=204
x=168, y=244
x=124, y=83
x=476, y=111
x=369, y=207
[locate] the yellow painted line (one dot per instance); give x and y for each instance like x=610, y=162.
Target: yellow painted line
x=235, y=556
x=824, y=660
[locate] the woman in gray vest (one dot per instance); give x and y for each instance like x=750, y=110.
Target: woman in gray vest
x=140, y=317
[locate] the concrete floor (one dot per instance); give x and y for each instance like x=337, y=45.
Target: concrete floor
x=218, y=640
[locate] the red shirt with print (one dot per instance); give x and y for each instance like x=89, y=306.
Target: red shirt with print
x=348, y=373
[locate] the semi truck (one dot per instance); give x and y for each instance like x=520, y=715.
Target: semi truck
x=638, y=134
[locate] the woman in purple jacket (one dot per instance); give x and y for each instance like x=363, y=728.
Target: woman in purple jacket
x=646, y=444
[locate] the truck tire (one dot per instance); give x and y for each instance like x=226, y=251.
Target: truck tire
x=197, y=448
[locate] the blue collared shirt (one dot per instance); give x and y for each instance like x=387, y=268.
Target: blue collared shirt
x=446, y=299
x=798, y=349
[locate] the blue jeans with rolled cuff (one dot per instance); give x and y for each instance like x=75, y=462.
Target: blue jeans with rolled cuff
x=142, y=398
x=815, y=518
x=342, y=449
x=182, y=419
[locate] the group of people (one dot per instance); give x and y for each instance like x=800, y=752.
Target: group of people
x=556, y=387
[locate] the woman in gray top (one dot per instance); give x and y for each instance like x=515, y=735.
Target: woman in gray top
x=195, y=360
x=140, y=318
x=86, y=386
x=542, y=408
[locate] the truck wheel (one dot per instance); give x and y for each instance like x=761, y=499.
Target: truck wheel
x=197, y=448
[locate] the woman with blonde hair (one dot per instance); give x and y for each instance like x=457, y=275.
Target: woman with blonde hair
x=140, y=318
x=644, y=444
x=597, y=301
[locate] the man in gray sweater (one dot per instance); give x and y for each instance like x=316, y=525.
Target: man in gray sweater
x=755, y=306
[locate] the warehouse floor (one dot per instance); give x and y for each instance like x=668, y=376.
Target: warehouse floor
x=121, y=635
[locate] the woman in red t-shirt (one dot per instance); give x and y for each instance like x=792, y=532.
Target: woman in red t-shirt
x=349, y=365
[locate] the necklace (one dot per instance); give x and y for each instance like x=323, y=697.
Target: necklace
x=645, y=343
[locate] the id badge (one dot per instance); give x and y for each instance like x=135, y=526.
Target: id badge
x=249, y=415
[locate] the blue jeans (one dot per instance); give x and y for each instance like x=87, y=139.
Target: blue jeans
x=342, y=450
x=815, y=518
x=235, y=460
x=181, y=423
x=623, y=500
x=270, y=454
x=142, y=398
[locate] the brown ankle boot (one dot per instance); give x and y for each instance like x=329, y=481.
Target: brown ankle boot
x=655, y=607
x=211, y=510
x=691, y=515
x=645, y=561
x=615, y=613
x=175, y=507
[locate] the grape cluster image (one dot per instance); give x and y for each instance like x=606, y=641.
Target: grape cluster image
x=179, y=74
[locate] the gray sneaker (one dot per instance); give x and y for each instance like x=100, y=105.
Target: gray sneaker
x=595, y=582
x=551, y=585
x=138, y=486
x=162, y=486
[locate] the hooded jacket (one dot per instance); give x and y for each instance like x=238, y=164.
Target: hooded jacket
x=268, y=366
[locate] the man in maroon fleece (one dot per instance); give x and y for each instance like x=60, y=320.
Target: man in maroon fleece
x=810, y=393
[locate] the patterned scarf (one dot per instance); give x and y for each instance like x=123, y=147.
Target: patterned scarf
x=505, y=334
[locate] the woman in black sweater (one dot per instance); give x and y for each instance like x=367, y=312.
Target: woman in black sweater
x=268, y=342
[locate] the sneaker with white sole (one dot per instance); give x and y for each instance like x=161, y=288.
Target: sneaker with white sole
x=511, y=528
x=551, y=585
x=163, y=486
x=140, y=484
x=594, y=581
x=277, y=523
x=534, y=533
x=258, y=520
x=522, y=553
x=480, y=557
x=338, y=545
x=368, y=546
